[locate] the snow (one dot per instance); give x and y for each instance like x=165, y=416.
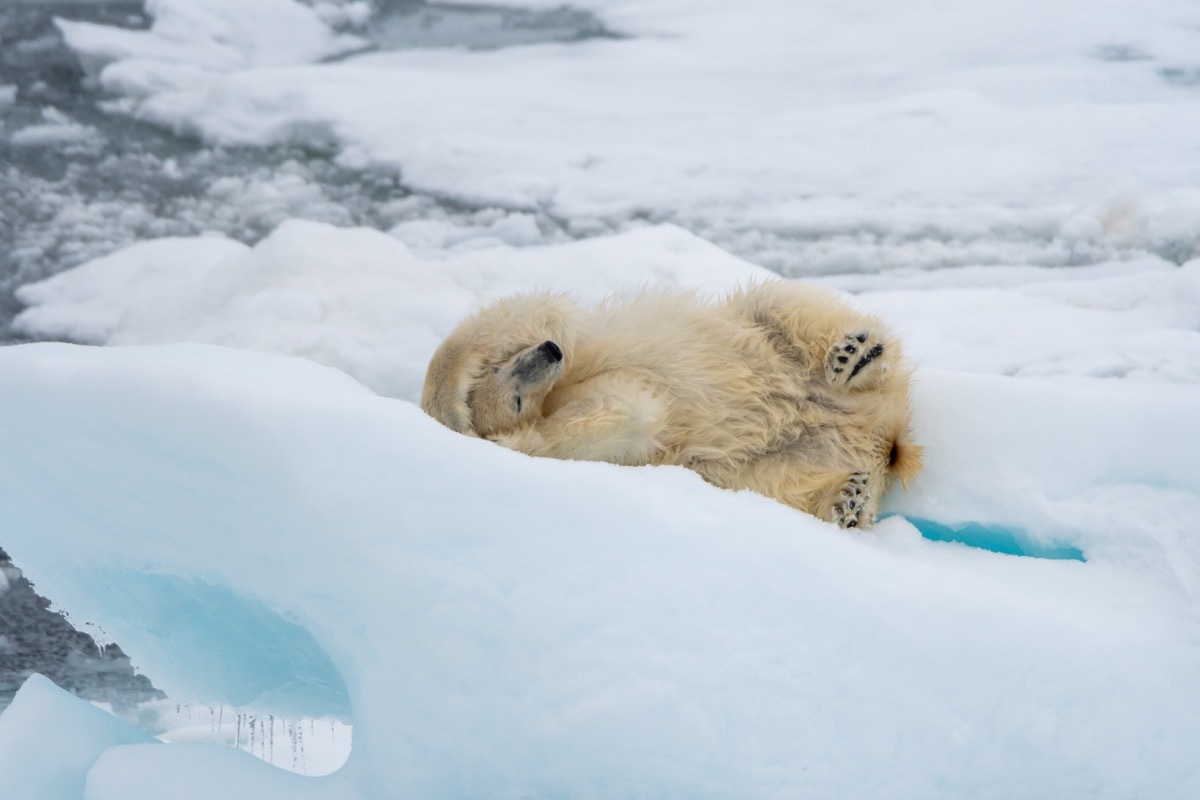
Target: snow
x=44, y=719
x=238, y=487
x=225, y=35
x=355, y=299
x=755, y=127
x=359, y=300
x=261, y=531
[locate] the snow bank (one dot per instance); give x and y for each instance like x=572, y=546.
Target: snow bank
x=507, y=626
x=359, y=300
x=297, y=538
x=355, y=299
x=815, y=137
x=1115, y=320
x=264, y=532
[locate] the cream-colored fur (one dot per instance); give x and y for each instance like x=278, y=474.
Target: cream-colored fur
x=780, y=388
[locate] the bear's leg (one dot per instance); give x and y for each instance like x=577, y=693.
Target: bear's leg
x=857, y=361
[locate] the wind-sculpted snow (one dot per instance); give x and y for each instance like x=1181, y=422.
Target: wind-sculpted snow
x=240, y=491
x=356, y=299
x=44, y=719
x=236, y=651
x=506, y=626
x=264, y=532
x=361, y=301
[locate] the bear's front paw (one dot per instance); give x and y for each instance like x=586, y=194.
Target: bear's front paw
x=855, y=360
x=850, y=510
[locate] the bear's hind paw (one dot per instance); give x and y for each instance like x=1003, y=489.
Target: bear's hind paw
x=850, y=510
x=855, y=359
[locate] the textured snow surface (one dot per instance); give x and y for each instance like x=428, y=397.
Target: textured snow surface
x=239, y=489
x=262, y=531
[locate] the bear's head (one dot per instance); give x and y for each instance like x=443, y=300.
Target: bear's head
x=493, y=372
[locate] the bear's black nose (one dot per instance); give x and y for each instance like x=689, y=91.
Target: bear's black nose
x=551, y=351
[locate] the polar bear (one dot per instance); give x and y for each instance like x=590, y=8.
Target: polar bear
x=780, y=388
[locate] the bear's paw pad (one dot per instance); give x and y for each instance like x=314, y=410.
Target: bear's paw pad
x=850, y=510
x=854, y=359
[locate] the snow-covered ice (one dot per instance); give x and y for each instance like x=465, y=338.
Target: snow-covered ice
x=239, y=488
x=356, y=299
x=261, y=531
x=507, y=626
x=361, y=301
x=44, y=719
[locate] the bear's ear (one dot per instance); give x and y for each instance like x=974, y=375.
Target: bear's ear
x=447, y=384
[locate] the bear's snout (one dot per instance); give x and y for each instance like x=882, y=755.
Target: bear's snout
x=538, y=363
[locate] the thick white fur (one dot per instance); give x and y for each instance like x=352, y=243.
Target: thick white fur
x=753, y=392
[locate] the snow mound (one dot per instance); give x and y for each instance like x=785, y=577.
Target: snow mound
x=354, y=298
x=359, y=300
x=264, y=532
x=245, y=496
x=44, y=719
x=508, y=626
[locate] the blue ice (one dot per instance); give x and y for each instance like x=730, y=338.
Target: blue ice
x=997, y=538
x=232, y=649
